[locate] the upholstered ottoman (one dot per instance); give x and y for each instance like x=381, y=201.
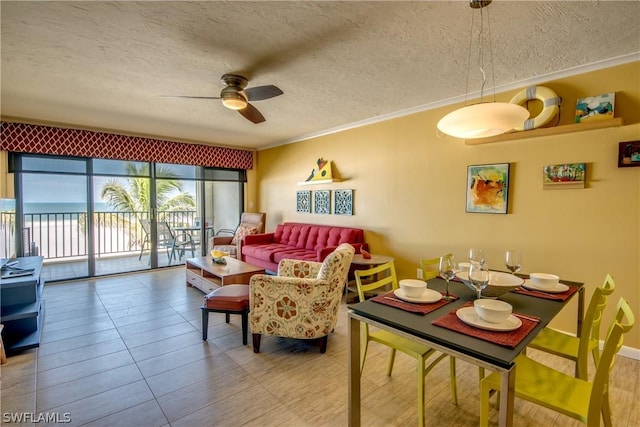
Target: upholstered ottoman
x=229, y=299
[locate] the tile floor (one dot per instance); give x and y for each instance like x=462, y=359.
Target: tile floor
x=128, y=351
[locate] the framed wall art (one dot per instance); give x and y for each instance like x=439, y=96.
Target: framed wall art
x=488, y=188
x=322, y=202
x=303, y=201
x=628, y=154
x=570, y=175
x=343, y=202
x=595, y=108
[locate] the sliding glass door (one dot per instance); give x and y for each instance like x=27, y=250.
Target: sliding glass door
x=91, y=217
x=121, y=213
x=55, y=215
x=177, y=213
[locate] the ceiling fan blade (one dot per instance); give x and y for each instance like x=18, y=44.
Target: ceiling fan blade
x=190, y=97
x=252, y=114
x=259, y=93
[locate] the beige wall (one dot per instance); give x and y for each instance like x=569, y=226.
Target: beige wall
x=410, y=192
x=6, y=179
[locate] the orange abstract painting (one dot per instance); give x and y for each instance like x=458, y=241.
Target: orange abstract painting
x=487, y=188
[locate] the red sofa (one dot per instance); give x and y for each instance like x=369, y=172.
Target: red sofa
x=293, y=240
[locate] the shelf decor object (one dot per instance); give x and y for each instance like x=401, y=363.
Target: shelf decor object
x=322, y=202
x=550, y=106
x=571, y=175
x=628, y=154
x=595, y=108
x=343, y=202
x=539, y=132
x=488, y=188
x=303, y=201
x=322, y=173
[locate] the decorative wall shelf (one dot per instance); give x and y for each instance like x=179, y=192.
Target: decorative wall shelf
x=319, y=181
x=558, y=130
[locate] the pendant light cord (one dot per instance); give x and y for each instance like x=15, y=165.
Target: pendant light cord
x=481, y=54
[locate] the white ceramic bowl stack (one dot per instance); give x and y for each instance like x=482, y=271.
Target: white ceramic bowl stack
x=544, y=280
x=412, y=288
x=492, y=310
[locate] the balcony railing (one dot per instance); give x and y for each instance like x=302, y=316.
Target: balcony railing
x=56, y=235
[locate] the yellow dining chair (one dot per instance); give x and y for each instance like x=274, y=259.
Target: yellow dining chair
x=430, y=267
x=576, y=348
x=384, y=275
x=568, y=395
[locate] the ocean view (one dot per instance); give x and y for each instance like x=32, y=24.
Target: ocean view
x=64, y=207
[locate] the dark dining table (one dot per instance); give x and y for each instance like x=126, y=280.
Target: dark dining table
x=477, y=351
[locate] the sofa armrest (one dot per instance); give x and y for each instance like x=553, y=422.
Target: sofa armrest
x=323, y=252
x=297, y=268
x=258, y=239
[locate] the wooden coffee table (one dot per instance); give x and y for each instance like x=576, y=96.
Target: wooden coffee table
x=208, y=276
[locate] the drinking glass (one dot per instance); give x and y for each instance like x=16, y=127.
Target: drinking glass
x=476, y=256
x=479, y=277
x=447, y=272
x=513, y=261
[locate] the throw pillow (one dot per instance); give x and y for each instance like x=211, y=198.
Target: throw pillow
x=243, y=230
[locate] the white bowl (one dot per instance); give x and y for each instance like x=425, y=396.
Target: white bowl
x=412, y=288
x=499, y=283
x=492, y=310
x=544, y=280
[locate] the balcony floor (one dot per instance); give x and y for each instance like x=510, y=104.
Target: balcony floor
x=55, y=270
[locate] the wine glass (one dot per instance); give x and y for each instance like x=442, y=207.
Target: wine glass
x=513, y=261
x=447, y=272
x=479, y=277
x=476, y=256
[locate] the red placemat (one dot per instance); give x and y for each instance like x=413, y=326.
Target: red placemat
x=390, y=299
x=508, y=339
x=539, y=294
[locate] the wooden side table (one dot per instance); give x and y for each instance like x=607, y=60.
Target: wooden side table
x=361, y=263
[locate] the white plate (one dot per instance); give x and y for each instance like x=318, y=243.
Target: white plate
x=428, y=296
x=469, y=316
x=557, y=289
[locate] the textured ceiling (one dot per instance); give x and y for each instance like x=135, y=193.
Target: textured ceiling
x=107, y=65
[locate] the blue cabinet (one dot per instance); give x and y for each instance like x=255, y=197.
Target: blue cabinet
x=22, y=307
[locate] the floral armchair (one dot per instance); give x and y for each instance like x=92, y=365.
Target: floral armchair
x=302, y=301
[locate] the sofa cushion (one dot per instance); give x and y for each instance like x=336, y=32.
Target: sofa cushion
x=295, y=240
x=295, y=253
x=266, y=252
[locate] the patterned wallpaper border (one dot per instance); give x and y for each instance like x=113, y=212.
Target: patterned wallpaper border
x=28, y=138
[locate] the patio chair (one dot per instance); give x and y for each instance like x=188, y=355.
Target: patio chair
x=165, y=238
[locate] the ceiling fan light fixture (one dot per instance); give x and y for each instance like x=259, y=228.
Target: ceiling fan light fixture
x=234, y=101
x=483, y=119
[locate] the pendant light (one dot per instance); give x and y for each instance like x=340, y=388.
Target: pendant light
x=484, y=118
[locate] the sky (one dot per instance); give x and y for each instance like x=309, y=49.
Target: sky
x=45, y=188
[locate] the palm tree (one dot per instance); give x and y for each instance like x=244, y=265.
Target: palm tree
x=135, y=196
x=170, y=195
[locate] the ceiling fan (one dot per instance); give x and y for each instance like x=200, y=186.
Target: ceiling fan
x=235, y=97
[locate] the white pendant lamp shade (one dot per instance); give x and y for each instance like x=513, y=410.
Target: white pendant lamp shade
x=483, y=120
